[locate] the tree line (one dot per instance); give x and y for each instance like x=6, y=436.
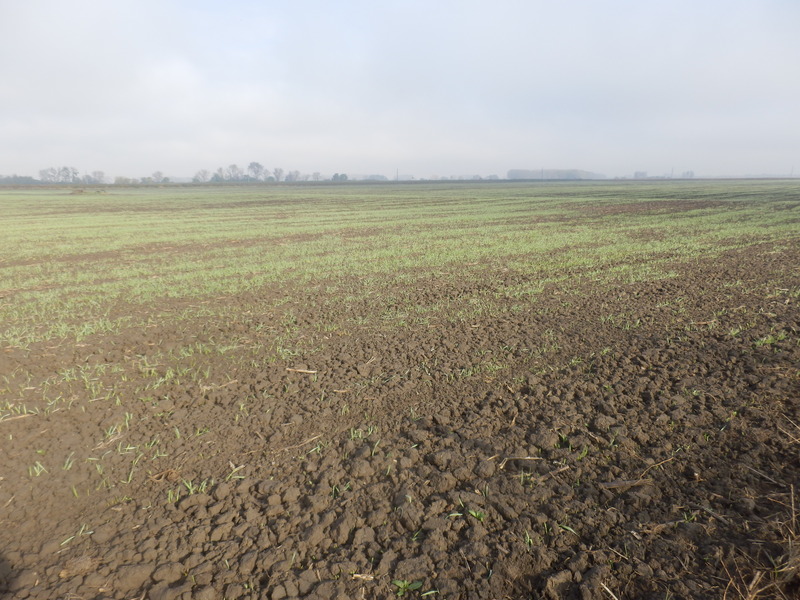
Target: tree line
x=255, y=172
x=55, y=175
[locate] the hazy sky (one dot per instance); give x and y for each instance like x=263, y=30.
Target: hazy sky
x=434, y=87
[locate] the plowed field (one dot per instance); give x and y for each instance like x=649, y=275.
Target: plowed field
x=462, y=391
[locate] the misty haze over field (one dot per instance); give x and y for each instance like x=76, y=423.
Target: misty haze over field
x=401, y=87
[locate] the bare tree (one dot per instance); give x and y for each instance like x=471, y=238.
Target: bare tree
x=202, y=176
x=234, y=173
x=94, y=178
x=256, y=170
x=49, y=175
x=68, y=175
x=278, y=174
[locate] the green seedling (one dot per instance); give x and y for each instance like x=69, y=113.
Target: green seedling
x=528, y=539
x=404, y=586
x=37, y=469
x=69, y=462
x=127, y=449
x=480, y=515
x=83, y=531
x=234, y=472
x=567, y=528
x=193, y=488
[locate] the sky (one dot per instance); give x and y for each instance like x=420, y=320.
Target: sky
x=427, y=88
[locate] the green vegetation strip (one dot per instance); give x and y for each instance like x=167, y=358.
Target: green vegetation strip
x=72, y=265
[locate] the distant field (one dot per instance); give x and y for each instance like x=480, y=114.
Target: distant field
x=451, y=390
x=75, y=264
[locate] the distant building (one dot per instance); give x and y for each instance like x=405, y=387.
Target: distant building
x=558, y=174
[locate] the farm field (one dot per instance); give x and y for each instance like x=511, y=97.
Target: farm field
x=452, y=390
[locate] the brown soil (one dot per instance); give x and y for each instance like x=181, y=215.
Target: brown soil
x=626, y=441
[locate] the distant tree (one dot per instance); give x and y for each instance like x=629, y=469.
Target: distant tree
x=277, y=173
x=293, y=176
x=218, y=176
x=122, y=180
x=98, y=177
x=157, y=177
x=339, y=177
x=256, y=170
x=202, y=176
x=234, y=173
x=316, y=176
x=688, y=174
x=61, y=175
x=18, y=180
x=68, y=175
x=48, y=175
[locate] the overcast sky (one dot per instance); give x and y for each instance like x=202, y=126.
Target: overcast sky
x=433, y=87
